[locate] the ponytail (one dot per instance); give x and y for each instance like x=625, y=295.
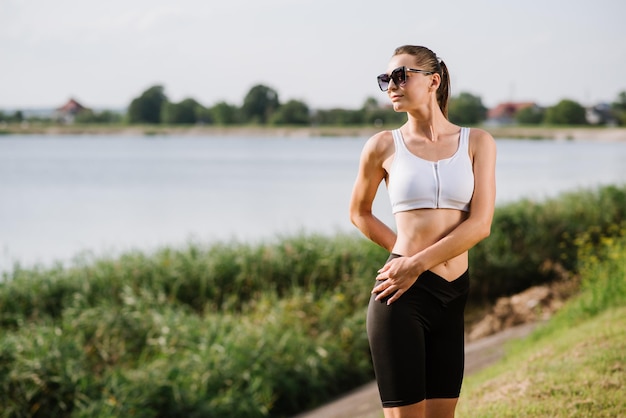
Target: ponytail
x=443, y=92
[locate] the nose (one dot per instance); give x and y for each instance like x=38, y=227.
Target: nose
x=391, y=85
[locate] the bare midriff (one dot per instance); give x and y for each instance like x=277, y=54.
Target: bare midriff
x=421, y=228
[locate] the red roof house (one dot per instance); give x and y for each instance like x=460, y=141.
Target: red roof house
x=504, y=113
x=69, y=110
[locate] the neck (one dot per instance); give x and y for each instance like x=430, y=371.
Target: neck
x=426, y=122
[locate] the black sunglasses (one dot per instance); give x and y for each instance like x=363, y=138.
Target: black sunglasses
x=398, y=76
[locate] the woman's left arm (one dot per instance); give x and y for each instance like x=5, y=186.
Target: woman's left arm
x=401, y=273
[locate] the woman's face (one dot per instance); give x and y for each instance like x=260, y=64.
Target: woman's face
x=415, y=91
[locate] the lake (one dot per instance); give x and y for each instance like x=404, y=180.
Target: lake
x=64, y=195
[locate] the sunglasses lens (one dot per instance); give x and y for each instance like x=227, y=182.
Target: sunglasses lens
x=383, y=81
x=398, y=76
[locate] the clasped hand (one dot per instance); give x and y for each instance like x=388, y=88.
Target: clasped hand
x=396, y=277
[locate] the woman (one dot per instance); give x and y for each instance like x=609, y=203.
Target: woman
x=441, y=183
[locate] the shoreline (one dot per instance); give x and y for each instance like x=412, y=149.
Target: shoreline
x=612, y=134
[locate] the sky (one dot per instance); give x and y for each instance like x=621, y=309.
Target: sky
x=326, y=53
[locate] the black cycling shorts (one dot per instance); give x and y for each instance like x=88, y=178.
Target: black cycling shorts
x=417, y=342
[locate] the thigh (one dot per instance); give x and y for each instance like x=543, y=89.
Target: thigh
x=398, y=353
x=445, y=353
x=396, y=335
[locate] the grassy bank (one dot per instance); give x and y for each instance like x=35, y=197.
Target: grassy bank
x=238, y=330
x=528, y=132
x=574, y=366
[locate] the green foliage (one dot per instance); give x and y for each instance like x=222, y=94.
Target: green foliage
x=187, y=112
x=531, y=241
x=576, y=370
x=374, y=114
x=147, y=107
x=466, y=109
x=240, y=330
x=619, y=107
x=531, y=115
x=226, y=330
x=225, y=114
x=566, y=112
x=338, y=117
x=16, y=117
x=620, y=102
x=218, y=277
x=571, y=366
x=260, y=104
x=603, y=266
x=106, y=116
x=294, y=112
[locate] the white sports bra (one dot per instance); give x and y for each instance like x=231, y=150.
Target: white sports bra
x=415, y=183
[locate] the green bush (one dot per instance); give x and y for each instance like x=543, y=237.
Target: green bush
x=265, y=330
x=531, y=242
x=224, y=330
x=603, y=267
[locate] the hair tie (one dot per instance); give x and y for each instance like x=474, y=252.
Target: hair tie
x=439, y=61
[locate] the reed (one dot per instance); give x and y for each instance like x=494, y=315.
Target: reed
x=222, y=330
x=242, y=330
x=535, y=242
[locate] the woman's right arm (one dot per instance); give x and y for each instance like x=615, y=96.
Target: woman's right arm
x=370, y=174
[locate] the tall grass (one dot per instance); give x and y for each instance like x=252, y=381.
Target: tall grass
x=239, y=330
x=219, y=277
x=224, y=330
x=532, y=242
x=574, y=365
x=602, y=266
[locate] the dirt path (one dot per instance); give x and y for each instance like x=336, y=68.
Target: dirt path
x=364, y=403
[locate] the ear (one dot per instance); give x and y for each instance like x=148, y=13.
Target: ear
x=435, y=82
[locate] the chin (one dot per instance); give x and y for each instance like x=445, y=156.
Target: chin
x=397, y=107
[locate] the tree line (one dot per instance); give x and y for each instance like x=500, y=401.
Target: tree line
x=262, y=106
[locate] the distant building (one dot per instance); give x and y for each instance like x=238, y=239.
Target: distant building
x=67, y=113
x=504, y=113
x=600, y=114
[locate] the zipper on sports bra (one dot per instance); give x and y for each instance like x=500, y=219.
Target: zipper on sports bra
x=436, y=166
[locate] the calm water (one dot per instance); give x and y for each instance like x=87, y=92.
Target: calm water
x=60, y=196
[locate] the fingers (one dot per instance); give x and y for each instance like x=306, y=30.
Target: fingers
x=385, y=290
x=392, y=284
x=388, y=285
x=380, y=288
x=383, y=270
x=395, y=296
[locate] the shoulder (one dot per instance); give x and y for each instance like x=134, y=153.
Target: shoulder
x=380, y=145
x=480, y=139
x=480, y=135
